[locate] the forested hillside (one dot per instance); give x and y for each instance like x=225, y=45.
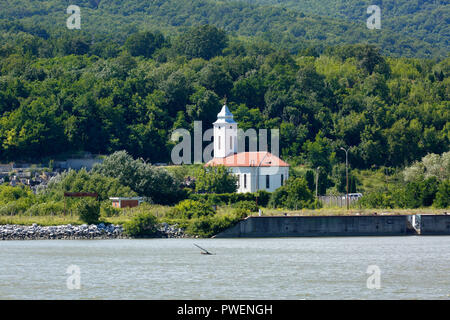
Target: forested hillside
x=68, y=93
x=427, y=20
x=138, y=70
x=409, y=28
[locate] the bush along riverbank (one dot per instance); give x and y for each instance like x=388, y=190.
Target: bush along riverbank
x=188, y=219
x=82, y=232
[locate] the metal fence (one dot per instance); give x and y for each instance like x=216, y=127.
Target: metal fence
x=337, y=201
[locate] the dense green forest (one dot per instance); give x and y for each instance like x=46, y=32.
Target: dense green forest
x=293, y=65
x=409, y=28
x=427, y=20
x=67, y=94
x=423, y=20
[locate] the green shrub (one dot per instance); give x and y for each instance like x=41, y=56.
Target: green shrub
x=377, y=200
x=241, y=212
x=249, y=205
x=46, y=209
x=211, y=225
x=243, y=209
x=201, y=227
x=83, y=181
x=293, y=195
x=144, y=179
x=16, y=207
x=278, y=198
x=88, y=211
x=9, y=193
x=217, y=179
x=261, y=196
x=443, y=195
x=142, y=225
x=189, y=209
x=421, y=193
x=316, y=204
x=416, y=194
x=107, y=210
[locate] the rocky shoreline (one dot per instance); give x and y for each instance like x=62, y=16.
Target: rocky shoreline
x=82, y=232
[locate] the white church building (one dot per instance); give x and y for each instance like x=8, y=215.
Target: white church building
x=258, y=170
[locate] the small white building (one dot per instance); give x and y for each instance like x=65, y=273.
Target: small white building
x=259, y=170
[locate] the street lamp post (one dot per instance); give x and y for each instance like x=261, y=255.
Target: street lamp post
x=346, y=173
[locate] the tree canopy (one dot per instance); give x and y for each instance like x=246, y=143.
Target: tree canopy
x=101, y=91
x=157, y=184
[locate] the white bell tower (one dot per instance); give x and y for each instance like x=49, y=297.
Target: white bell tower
x=225, y=134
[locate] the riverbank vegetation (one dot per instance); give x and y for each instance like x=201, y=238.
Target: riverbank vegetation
x=122, y=91
x=422, y=187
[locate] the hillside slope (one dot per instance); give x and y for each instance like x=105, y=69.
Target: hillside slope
x=294, y=25
x=427, y=20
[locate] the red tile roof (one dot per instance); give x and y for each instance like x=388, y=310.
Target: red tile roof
x=249, y=159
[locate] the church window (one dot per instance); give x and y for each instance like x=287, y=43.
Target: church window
x=267, y=181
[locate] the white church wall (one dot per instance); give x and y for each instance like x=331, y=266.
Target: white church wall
x=275, y=175
x=257, y=176
x=248, y=174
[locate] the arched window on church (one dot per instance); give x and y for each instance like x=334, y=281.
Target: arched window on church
x=231, y=142
x=219, y=142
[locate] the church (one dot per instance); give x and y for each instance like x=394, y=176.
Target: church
x=256, y=170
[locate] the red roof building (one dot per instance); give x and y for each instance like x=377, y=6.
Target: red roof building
x=249, y=159
x=256, y=170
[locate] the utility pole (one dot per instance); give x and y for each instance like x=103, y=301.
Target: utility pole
x=346, y=173
x=257, y=177
x=317, y=180
x=257, y=172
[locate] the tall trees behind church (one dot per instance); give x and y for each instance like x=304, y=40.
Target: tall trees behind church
x=71, y=93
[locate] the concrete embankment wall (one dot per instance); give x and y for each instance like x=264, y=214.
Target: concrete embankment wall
x=319, y=226
x=435, y=224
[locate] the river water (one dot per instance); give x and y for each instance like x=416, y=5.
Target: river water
x=284, y=268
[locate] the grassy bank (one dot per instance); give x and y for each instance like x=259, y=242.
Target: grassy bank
x=344, y=212
x=203, y=226
x=161, y=213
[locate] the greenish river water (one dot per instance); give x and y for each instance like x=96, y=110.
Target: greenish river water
x=290, y=268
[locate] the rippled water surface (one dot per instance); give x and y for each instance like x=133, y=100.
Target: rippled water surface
x=290, y=268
